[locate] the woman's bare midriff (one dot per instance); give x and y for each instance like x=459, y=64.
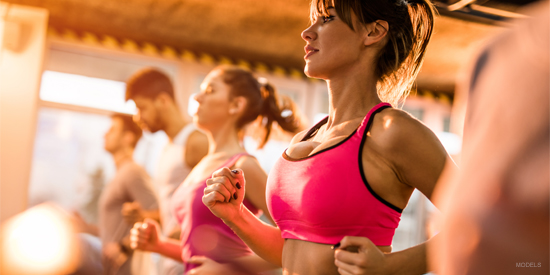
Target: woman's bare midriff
x=307, y=258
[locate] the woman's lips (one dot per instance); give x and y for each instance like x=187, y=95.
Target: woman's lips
x=309, y=51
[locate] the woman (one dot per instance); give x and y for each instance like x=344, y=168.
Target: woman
x=231, y=98
x=344, y=183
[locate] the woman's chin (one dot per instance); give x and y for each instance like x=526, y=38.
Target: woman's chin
x=311, y=72
x=197, y=122
x=202, y=127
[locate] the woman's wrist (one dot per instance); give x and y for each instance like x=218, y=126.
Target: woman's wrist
x=408, y=261
x=237, y=221
x=160, y=246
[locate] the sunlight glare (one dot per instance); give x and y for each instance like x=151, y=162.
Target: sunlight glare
x=38, y=241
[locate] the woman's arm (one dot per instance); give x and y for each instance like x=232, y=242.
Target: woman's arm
x=146, y=236
x=417, y=158
x=224, y=195
x=414, y=150
x=244, y=265
x=252, y=264
x=370, y=260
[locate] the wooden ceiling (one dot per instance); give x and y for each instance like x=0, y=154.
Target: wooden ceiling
x=253, y=30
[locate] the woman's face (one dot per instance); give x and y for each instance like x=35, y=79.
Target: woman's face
x=214, y=104
x=332, y=47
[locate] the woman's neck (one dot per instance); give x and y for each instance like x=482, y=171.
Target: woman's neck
x=351, y=95
x=224, y=140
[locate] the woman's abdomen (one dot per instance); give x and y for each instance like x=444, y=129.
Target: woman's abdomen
x=302, y=257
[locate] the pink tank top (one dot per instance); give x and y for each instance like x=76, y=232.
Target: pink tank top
x=325, y=197
x=202, y=233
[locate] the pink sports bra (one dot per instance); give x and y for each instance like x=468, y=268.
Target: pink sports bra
x=325, y=197
x=202, y=233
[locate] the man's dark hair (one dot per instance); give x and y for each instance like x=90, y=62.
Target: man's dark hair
x=128, y=125
x=149, y=83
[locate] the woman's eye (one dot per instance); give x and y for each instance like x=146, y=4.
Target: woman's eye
x=327, y=18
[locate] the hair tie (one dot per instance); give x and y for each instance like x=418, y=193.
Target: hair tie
x=262, y=80
x=263, y=84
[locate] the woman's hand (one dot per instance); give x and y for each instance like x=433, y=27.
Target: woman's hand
x=224, y=193
x=207, y=266
x=367, y=260
x=145, y=236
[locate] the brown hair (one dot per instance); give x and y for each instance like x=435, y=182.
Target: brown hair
x=264, y=104
x=128, y=125
x=149, y=83
x=410, y=29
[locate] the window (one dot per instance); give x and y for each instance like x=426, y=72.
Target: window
x=418, y=113
x=85, y=91
x=447, y=124
x=69, y=165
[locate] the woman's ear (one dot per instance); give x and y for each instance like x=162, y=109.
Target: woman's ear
x=237, y=105
x=375, y=32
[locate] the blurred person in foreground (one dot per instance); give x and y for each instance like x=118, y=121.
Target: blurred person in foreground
x=153, y=93
x=231, y=99
x=131, y=184
x=496, y=208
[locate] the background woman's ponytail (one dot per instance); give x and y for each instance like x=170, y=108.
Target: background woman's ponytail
x=263, y=105
x=275, y=108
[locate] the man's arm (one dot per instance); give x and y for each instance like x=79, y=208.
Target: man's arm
x=83, y=227
x=132, y=212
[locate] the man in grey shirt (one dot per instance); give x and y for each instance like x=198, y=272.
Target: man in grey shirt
x=130, y=184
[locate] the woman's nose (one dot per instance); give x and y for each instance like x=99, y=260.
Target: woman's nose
x=197, y=97
x=308, y=34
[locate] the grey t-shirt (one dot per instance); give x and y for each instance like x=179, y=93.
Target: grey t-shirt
x=131, y=183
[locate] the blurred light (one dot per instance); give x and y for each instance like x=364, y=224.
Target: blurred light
x=192, y=106
x=451, y=142
x=286, y=113
x=319, y=116
x=63, y=127
x=39, y=241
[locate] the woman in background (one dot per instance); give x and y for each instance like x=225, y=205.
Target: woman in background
x=230, y=99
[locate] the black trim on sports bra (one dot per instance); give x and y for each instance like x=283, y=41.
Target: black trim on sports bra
x=310, y=134
x=313, y=131
x=363, y=139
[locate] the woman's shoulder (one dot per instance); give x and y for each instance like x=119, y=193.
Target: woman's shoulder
x=251, y=167
x=247, y=162
x=395, y=128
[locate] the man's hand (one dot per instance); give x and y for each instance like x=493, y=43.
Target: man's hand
x=132, y=212
x=113, y=257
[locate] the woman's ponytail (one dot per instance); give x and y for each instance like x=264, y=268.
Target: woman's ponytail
x=275, y=108
x=264, y=105
x=403, y=56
